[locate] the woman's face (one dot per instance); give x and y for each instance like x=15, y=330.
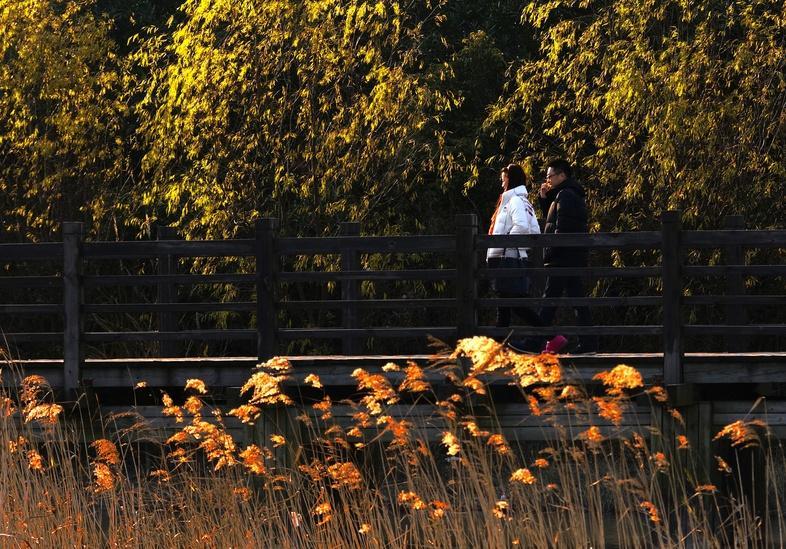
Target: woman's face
x=504, y=179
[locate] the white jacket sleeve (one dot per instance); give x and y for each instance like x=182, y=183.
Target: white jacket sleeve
x=534, y=226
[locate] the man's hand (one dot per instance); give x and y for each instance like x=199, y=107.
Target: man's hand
x=544, y=189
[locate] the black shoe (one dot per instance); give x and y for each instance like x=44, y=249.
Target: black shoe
x=581, y=350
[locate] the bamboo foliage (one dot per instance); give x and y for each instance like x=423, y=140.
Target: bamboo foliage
x=299, y=110
x=62, y=148
x=667, y=105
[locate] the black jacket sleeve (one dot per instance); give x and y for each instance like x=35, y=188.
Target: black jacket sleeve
x=545, y=204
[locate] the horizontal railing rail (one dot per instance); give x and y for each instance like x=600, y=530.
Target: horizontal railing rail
x=625, y=301
x=370, y=303
x=31, y=309
x=639, y=240
x=585, y=272
x=775, y=238
x=385, y=332
x=725, y=270
x=180, y=248
x=654, y=329
x=366, y=244
x=31, y=337
x=229, y=306
x=271, y=290
x=182, y=279
x=17, y=282
x=403, y=274
x=754, y=300
x=38, y=251
x=183, y=335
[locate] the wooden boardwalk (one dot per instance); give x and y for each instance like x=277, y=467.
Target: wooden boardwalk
x=222, y=372
x=719, y=389
x=93, y=305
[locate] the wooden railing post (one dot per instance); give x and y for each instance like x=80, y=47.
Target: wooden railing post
x=267, y=261
x=350, y=289
x=466, y=268
x=671, y=249
x=736, y=314
x=72, y=307
x=167, y=293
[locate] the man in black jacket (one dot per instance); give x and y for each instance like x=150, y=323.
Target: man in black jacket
x=562, y=201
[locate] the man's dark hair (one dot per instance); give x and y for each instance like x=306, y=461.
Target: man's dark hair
x=516, y=177
x=561, y=165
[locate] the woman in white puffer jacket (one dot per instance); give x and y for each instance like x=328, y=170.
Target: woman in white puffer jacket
x=514, y=215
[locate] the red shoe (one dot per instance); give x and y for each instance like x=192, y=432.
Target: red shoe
x=555, y=344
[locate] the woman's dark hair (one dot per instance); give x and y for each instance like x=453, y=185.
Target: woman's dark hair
x=516, y=177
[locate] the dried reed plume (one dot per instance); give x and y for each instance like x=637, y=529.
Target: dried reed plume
x=400, y=463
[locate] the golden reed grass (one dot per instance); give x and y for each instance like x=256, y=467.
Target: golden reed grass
x=375, y=471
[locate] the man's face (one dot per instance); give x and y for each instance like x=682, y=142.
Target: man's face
x=554, y=177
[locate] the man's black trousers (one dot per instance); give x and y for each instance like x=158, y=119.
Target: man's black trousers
x=571, y=286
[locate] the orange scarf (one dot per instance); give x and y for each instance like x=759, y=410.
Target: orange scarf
x=494, y=217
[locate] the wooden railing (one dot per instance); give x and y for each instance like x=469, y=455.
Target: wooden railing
x=669, y=272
